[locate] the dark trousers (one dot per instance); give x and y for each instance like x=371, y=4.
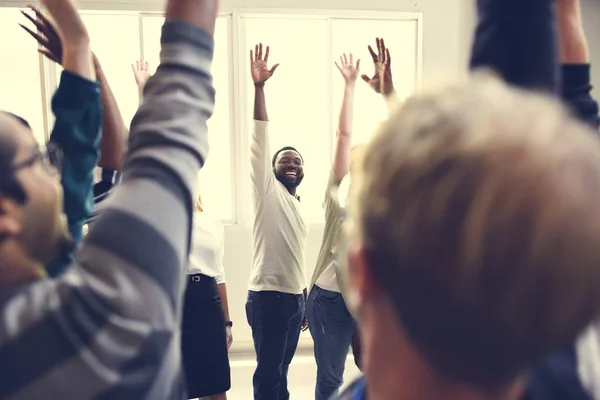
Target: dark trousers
x=332, y=329
x=276, y=320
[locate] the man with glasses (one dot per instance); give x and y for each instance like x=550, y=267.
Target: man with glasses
x=107, y=327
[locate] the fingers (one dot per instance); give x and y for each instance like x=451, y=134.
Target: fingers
x=49, y=29
x=345, y=59
x=365, y=78
x=388, y=59
x=338, y=67
x=380, y=50
x=357, y=65
x=49, y=54
x=267, y=54
x=38, y=24
x=260, y=52
x=351, y=59
x=40, y=39
x=272, y=70
x=373, y=55
x=146, y=66
x=251, y=57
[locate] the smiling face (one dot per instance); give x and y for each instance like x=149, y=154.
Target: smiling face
x=289, y=169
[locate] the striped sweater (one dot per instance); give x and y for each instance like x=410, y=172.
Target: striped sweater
x=106, y=328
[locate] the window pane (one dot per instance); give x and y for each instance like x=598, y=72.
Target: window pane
x=297, y=97
x=21, y=85
x=116, y=59
x=354, y=36
x=215, y=178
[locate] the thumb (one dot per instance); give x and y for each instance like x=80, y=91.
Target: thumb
x=273, y=68
x=365, y=78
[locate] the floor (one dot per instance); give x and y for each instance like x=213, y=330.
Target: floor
x=301, y=378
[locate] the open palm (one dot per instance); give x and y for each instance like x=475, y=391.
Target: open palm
x=347, y=68
x=381, y=81
x=259, y=68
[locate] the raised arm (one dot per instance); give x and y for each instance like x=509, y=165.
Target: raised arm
x=343, y=141
x=114, y=130
x=76, y=108
x=261, y=170
x=517, y=39
x=575, y=59
x=381, y=81
x=141, y=74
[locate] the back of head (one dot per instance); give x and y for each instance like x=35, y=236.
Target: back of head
x=477, y=209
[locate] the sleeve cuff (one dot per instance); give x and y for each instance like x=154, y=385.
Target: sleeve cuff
x=576, y=75
x=76, y=88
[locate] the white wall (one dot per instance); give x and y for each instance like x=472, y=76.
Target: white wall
x=446, y=38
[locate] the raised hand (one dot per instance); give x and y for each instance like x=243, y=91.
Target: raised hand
x=46, y=35
x=69, y=26
x=141, y=72
x=258, y=65
x=381, y=81
x=347, y=68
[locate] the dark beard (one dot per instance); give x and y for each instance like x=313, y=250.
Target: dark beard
x=290, y=186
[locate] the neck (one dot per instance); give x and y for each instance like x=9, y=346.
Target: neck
x=16, y=267
x=387, y=358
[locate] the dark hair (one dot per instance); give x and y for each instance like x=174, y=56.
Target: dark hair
x=286, y=148
x=8, y=149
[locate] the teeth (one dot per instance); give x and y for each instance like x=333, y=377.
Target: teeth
x=291, y=173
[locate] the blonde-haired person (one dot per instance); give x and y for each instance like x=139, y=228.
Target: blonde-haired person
x=473, y=243
x=206, y=327
x=331, y=325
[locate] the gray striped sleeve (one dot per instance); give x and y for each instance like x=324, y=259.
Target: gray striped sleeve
x=107, y=328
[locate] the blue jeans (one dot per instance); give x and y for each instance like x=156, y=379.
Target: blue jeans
x=276, y=320
x=332, y=328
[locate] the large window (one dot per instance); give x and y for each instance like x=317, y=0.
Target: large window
x=303, y=97
x=354, y=36
x=20, y=77
x=215, y=178
x=297, y=97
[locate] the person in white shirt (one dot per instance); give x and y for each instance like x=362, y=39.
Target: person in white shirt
x=332, y=327
x=206, y=329
x=277, y=286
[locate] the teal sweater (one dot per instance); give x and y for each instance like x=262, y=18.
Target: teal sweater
x=77, y=110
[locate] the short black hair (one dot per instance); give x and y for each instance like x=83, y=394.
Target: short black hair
x=286, y=148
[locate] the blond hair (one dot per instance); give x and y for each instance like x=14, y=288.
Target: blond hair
x=477, y=208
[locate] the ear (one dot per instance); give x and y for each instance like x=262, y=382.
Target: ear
x=360, y=284
x=10, y=217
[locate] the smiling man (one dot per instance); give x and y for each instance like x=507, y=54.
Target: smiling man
x=277, y=286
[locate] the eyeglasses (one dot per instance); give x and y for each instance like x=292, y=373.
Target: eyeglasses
x=51, y=157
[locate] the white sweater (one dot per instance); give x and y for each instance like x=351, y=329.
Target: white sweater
x=279, y=227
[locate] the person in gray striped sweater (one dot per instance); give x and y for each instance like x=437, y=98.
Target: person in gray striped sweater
x=106, y=328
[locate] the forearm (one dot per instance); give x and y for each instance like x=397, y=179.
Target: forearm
x=222, y=289
x=260, y=103
x=571, y=35
x=341, y=160
x=77, y=58
x=517, y=39
x=114, y=131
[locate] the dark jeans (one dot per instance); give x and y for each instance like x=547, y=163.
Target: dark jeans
x=332, y=329
x=276, y=319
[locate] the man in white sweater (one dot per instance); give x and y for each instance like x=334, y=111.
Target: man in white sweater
x=277, y=286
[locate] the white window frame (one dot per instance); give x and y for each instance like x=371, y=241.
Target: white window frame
x=242, y=213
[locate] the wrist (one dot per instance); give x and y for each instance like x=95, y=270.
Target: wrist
x=228, y=324
x=259, y=85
